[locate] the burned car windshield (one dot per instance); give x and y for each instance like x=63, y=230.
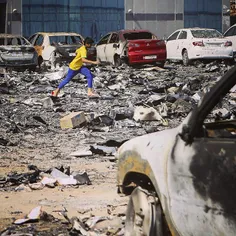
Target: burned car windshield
x=13, y=41
x=206, y=34
x=65, y=39
x=138, y=35
x=221, y=121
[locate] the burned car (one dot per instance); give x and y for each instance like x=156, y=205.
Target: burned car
x=58, y=47
x=182, y=180
x=17, y=52
x=132, y=47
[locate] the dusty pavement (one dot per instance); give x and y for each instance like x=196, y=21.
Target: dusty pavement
x=30, y=134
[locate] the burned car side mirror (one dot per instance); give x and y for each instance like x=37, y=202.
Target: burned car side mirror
x=116, y=45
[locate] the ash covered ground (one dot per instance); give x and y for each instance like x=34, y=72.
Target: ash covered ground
x=32, y=141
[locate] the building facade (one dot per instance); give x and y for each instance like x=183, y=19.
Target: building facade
x=88, y=17
x=163, y=17
x=97, y=17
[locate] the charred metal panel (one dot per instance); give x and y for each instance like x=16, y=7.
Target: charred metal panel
x=201, y=185
x=214, y=170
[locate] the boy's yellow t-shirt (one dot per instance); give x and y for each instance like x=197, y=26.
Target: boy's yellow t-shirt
x=77, y=63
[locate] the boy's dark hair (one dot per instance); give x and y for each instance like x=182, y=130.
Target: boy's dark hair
x=88, y=40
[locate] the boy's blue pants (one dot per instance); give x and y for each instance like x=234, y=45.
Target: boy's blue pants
x=71, y=73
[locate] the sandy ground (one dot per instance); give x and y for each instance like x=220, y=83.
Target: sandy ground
x=98, y=199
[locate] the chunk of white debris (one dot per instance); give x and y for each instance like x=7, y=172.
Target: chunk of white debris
x=36, y=186
x=33, y=215
x=222, y=112
x=47, y=180
x=173, y=89
x=58, y=174
x=81, y=153
x=62, y=178
x=146, y=113
x=233, y=90
x=67, y=181
x=154, y=68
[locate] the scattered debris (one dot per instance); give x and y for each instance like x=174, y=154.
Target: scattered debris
x=103, y=150
x=133, y=102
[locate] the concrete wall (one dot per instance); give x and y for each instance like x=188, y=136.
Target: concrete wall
x=161, y=17
x=14, y=17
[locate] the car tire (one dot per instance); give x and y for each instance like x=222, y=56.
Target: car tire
x=117, y=61
x=185, y=58
x=32, y=68
x=40, y=61
x=162, y=64
x=143, y=215
x=229, y=62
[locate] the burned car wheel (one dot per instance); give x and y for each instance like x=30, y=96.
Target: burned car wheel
x=144, y=215
x=117, y=61
x=40, y=61
x=185, y=58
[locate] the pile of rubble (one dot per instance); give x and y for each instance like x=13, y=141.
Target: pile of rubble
x=132, y=102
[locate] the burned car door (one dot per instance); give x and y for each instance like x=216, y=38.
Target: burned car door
x=112, y=47
x=182, y=43
x=171, y=46
x=48, y=49
x=32, y=38
x=201, y=169
x=38, y=44
x=101, y=46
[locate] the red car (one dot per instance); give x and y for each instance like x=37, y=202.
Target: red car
x=131, y=47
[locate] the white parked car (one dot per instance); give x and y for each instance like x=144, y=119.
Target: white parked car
x=230, y=34
x=198, y=43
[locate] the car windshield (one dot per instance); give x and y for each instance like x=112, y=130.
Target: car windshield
x=206, y=34
x=138, y=35
x=66, y=39
x=13, y=41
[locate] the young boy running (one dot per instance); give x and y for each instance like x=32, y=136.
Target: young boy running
x=76, y=66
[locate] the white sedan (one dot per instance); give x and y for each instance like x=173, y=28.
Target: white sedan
x=230, y=34
x=198, y=43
